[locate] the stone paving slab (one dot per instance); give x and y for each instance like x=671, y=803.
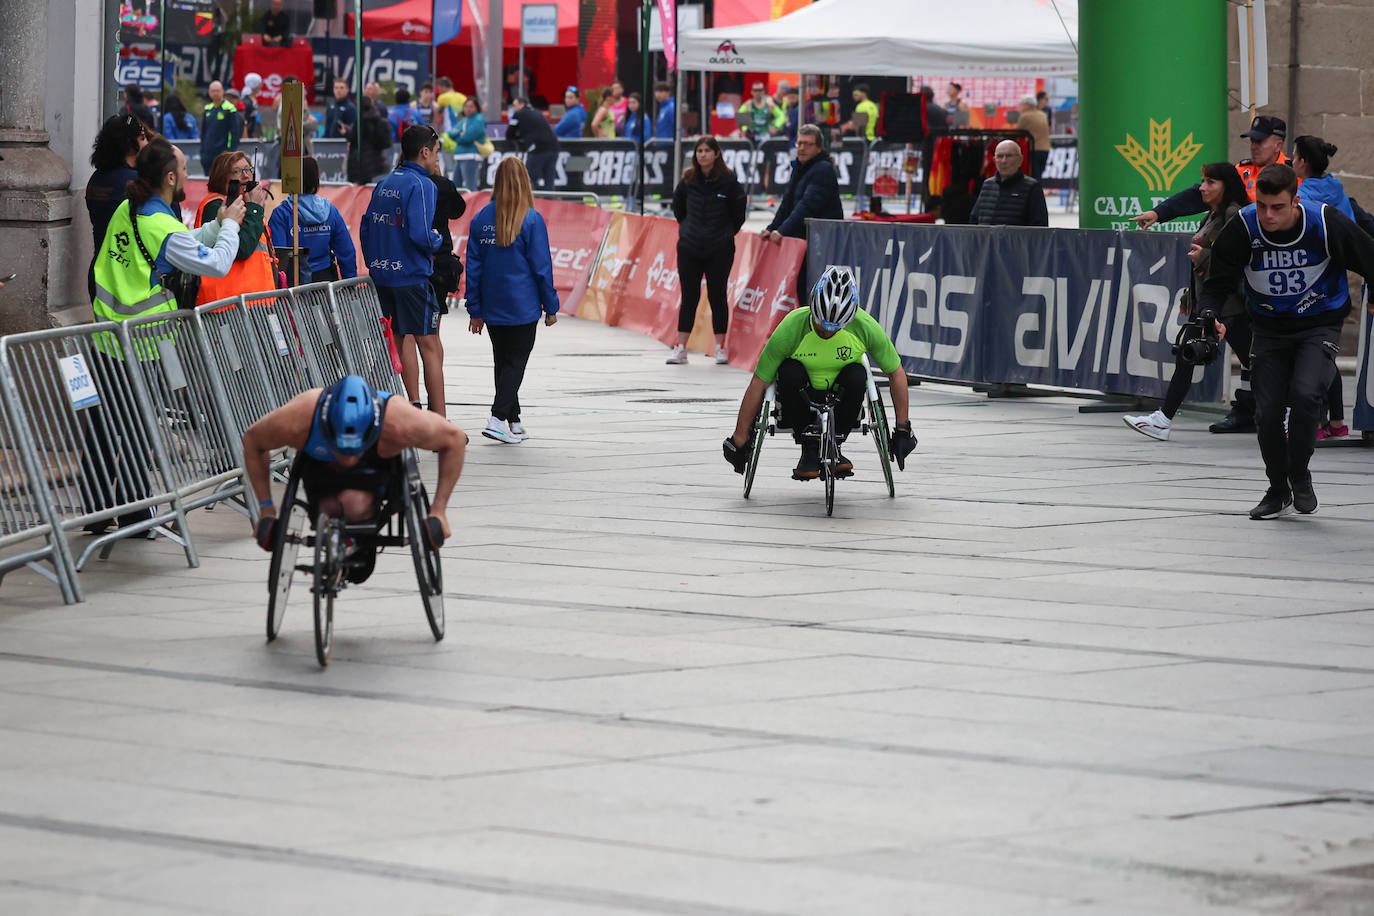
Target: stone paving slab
x=1060, y=672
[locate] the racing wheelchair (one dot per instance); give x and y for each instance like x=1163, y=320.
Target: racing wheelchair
x=873, y=420
x=401, y=519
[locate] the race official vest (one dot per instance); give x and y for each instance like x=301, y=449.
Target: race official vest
x=1248, y=172
x=1296, y=279
x=126, y=285
x=255, y=274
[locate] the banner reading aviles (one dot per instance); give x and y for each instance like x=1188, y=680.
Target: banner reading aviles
x=1088, y=309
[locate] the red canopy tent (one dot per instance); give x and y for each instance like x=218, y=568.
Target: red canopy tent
x=410, y=21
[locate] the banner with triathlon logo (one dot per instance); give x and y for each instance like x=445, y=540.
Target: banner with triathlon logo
x=1087, y=309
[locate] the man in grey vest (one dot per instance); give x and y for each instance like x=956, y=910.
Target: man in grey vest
x=1011, y=197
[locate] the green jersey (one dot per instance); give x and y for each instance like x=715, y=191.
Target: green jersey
x=796, y=338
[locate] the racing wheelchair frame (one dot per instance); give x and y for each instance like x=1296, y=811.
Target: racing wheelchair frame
x=872, y=420
x=398, y=521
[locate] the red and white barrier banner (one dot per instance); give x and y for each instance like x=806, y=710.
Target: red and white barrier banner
x=635, y=285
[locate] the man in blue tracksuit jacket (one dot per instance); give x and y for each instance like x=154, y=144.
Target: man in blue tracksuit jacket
x=398, y=248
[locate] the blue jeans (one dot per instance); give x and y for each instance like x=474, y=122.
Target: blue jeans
x=466, y=172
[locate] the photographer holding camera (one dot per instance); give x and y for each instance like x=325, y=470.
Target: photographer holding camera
x=1224, y=193
x=1293, y=257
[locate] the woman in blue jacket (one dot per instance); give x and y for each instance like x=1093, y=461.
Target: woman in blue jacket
x=177, y=123
x=1311, y=156
x=328, y=252
x=470, y=130
x=509, y=285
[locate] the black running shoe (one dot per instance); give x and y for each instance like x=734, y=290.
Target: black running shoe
x=1275, y=503
x=1237, y=421
x=844, y=467
x=809, y=467
x=1304, y=497
x=359, y=564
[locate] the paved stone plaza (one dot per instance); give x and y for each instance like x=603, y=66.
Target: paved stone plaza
x=1061, y=672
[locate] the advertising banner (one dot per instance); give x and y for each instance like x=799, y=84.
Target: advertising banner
x=1146, y=138
x=405, y=63
x=274, y=65
x=1094, y=310
x=1061, y=168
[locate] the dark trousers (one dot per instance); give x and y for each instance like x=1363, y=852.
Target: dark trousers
x=1038, y=160
x=1238, y=337
x=110, y=463
x=715, y=266
x=543, y=169
x=1335, y=400
x=1291, y=371
x=510, y=351
x=803, y=291
x=795, y=396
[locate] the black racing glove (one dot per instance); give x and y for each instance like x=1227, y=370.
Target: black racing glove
x=266, y=532
x=737, y=455
x=903, y=443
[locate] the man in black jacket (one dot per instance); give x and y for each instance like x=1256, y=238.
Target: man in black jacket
x=812, y=193
x=530, y=130
x=1011, y=197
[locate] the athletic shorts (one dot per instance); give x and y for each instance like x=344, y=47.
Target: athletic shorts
x=413, y=310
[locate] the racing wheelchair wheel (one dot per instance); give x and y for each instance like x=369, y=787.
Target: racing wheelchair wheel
x=830, y=457
x=763, y=427
x=329, y=555
x=881, y=437
x=428, y=573
x=293, y=530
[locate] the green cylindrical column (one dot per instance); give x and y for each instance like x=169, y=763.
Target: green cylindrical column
x=1152, y=104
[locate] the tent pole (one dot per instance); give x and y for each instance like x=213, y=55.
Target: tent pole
x=644, y=16
x=496, y=42
x=677, y=100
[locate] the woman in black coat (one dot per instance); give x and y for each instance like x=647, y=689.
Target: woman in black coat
x=710, y=207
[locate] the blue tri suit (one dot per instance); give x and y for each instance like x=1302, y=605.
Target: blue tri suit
x=322, y=477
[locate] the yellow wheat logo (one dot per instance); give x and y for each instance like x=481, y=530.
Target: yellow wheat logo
x=1161, y=164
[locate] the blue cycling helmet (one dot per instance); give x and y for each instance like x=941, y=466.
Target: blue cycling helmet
x=350, y=415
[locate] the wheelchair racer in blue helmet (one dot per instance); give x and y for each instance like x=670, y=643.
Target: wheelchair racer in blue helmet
x=352, y=436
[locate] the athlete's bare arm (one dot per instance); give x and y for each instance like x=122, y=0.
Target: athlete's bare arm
x=288, y=425
x=407, y=426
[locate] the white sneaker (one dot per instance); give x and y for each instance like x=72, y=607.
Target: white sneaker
x=721, y=358
x=1154, y=425
x=517, y=429
x=679, y=357
x=498, y=430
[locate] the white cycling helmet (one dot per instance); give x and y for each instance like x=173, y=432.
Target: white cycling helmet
x=834, y=299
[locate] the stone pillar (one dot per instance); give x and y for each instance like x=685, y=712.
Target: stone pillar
x=35, y=200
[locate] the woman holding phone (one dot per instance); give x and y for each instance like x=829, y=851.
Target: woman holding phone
x=255, y=267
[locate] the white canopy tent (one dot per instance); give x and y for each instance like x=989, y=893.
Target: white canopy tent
x=898, y=38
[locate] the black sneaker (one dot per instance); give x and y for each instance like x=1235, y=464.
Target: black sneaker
x=1304, y=497
x=844, y=467
x=1237, y=421
x=1275, y=503
x=358, y=565
x=809, y=467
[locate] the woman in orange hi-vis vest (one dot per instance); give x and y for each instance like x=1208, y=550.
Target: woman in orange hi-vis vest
x=255, y=268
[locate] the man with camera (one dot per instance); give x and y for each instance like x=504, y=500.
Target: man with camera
x=1293, y=257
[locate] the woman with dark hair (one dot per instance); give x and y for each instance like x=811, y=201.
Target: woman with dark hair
x=1311, y=157
x=112, y=156
x=255, y=268
x=510, y=285
x=1224, y=193
x=468, y=131
x=636, y=126
x=177, y=123
x=710, y=207
x=328, y=252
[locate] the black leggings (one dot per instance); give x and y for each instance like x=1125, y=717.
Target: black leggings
x=715, y=266
x=510, y=351
x=795, y=396
x=1238, y=337
x=1291, y=371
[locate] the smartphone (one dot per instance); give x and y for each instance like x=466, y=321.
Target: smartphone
x=233, y=193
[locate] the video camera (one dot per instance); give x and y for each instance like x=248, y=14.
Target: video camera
x=1198, y=343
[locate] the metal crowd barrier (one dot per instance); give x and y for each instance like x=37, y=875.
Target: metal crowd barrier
x=143, y=420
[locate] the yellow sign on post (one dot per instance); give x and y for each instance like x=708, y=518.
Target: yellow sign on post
x=292, y=149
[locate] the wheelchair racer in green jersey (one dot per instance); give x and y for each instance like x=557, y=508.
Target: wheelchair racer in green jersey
x=818, y=349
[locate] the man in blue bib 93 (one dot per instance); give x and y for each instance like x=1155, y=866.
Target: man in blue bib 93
x=1293, y=257
x=820, y=349
x=351, y=435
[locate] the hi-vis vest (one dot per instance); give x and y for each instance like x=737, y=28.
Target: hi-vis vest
x=255, y=274
x=126, y=285
x=1248, y=172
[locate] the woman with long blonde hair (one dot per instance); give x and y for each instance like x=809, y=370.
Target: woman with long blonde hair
x=509, y=285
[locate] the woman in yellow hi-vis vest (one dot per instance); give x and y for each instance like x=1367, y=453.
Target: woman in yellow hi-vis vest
x=255, y=268
x=146, y=240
